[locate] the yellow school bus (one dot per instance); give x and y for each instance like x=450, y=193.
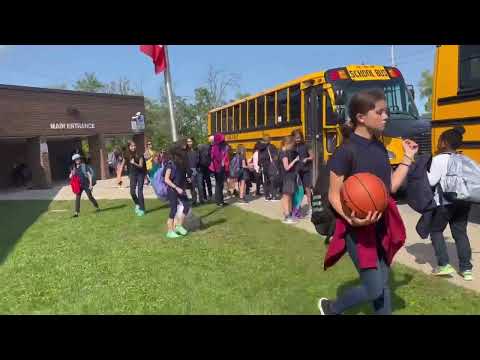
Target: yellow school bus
x=456, y=95
x=316, y=104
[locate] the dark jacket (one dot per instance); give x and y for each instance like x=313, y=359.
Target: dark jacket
x=419, y=191
x=263, y=156
x=366, y=239
x=193, y=158
x=204, y=154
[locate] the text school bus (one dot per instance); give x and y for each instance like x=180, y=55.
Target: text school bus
x=456, y=95
x=315, y=103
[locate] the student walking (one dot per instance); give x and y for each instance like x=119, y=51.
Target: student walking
x=149, y=157
x=448, y=213
x=137, y=171
x=219, y=166
x=370, y=246
x=120, y=164
x=204, y=151
x=289, y=160
x=196, y=179
x=85, y=177
x=243, y=174
x=267, y=159
x=176, y=180
x=305, y=167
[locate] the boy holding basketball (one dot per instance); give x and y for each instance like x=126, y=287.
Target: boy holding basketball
x=369, y=244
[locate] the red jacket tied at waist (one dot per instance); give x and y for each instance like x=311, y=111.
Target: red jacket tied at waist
x=366, y=242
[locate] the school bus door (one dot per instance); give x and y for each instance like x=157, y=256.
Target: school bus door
x=314, y=105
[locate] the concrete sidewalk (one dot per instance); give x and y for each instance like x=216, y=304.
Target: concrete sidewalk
x=417, y=253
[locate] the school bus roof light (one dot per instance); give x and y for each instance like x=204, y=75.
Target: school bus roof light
x=338, y=75
x=394, y=73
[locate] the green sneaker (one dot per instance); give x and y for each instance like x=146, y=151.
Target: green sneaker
x=140, y=213
x=137, y=209
x=181, y=230
x=446, y=270
x=173, y=235
x=467, y=275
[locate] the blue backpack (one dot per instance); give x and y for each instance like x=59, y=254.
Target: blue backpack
x=158, y=183
x=235, y=167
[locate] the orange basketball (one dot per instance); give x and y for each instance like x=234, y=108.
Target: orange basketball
x=364, y=192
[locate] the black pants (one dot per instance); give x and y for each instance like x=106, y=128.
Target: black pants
x=196, y=186
x=270, y=185
x=457, y=216
x=219, y=183
x=207, y=182
x=136, y=189
x=257, y=176
x=173, y=199
x=90, y=197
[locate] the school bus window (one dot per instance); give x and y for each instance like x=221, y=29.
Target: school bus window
x=261, y=112
x=332, y=116
x=243, y=115
x=224, y=121
x=251, y=114
x=236, y=117
x=230, y=119
x=469, y=67
x=213, y=123
x=219, y=121
x=294, y=100
x=282, y=107
x=271, y=110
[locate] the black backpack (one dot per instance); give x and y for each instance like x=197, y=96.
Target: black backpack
x=419, y=193
x=323, y=214
x=205, y=158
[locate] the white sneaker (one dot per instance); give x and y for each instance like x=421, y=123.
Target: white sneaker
x=289, y=220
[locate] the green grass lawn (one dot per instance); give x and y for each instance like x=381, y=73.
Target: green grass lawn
x=115, y=263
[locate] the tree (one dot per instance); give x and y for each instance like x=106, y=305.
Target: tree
x=122, y=87
x=239, y=95
x=89, y=83
x=218, y=82
x=426, y=85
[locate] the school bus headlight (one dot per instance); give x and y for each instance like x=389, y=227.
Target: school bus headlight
x=391, y=155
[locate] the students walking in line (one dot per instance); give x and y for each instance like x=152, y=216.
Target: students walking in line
x=137, y=171
x=305, y=168
x=370, y=246
x=120, y=164
x=176, y=180
x=219, y=166
x=243, y=175
x=196, y=179
x=204, y=151
x=289, y=160
x=448, y=213
x=85, y=176
x=149, y=157
x=267, y=159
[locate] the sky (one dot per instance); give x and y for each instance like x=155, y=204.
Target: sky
x=259, y=67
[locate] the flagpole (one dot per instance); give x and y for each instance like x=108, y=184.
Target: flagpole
x=168, y=87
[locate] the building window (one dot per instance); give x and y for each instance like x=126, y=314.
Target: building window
x=282, y=107
x=295, y=105
x=469, y=78
x=229, y=119
x=236, y=117
x=271, y=110
x=224, y=121
x=243, y=115
x=251, y=114
x=261, y=112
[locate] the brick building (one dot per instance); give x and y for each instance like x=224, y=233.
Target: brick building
x=41, y=127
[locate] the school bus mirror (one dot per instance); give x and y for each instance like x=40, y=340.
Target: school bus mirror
x=339, y=97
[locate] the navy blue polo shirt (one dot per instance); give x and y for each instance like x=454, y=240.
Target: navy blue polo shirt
x=370, y=156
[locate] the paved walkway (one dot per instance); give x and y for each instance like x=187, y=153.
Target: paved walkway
x=417, y=253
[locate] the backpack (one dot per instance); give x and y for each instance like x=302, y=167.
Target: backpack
x=462, y=182
x=235, y=167
x=88, y=169
x=205, y=158
x=75, y=184
x=158, y=182
x=419, y=194
x=323, y=214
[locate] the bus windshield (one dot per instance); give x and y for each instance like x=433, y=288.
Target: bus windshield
x=399, y=99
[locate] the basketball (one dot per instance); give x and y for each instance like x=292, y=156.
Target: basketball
x=364, y=192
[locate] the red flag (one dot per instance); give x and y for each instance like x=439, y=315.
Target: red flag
x=157, y=53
